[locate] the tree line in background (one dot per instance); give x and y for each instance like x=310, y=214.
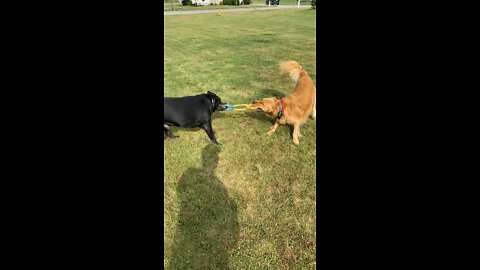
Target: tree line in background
x=224, y=2
x=229, y=2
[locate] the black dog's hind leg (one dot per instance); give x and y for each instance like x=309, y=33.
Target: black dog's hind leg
x=211, y=134
x=168, y=131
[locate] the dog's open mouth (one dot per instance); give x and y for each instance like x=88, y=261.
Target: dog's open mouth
x=221, y=107
x=255, y=108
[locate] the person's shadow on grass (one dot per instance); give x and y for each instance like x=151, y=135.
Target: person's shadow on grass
x=207, y=229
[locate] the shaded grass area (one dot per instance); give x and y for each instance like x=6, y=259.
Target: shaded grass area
x=249, y=204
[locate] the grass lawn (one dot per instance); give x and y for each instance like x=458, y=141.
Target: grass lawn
x=249, y=204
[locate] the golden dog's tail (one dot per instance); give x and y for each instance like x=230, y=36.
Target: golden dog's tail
x=293, y=68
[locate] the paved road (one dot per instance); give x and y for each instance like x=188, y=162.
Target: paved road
x=187, y=12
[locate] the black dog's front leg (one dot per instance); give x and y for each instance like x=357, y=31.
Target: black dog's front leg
x=211, y=134
x=168, y=132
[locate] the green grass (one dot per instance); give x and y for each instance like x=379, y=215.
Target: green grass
x=249, y=204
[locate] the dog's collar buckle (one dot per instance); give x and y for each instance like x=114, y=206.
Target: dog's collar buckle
x=282, y=110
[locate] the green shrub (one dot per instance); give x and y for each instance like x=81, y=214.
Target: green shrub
x=314, y=3
x=187, y=2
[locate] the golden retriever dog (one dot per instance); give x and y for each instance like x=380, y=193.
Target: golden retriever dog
x=295, y=108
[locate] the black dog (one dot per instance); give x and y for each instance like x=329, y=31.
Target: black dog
x=191, y=112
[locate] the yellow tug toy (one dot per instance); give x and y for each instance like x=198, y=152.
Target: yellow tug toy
x=231, y=107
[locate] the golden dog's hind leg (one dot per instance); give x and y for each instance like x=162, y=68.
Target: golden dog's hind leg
x=272, y=129
x=314, y=111
x=296, y=131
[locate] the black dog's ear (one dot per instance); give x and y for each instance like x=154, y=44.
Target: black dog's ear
x=210, y=93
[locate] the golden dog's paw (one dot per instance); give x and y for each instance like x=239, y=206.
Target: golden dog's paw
x=270, y=133
x=295, y=141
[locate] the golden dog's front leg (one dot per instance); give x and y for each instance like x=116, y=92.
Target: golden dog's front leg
x=272, y=129
x=296, y=131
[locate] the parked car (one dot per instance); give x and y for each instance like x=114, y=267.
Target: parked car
x=272, y=2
